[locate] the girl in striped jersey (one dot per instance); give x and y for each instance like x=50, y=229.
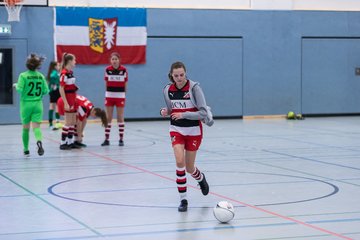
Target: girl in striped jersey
x=186, y=105
x=116, y=78
x=85, y=109
x=68, y=90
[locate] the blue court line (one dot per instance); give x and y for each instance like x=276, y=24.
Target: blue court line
x=158, y=188
x=219, y=227
x=141, y=189
x=302, y=172
x=64, y=196
x=317, y=144
x=22, y=169
x=312, y=143
x=34, y=232
x=51, y=205
x=294, y=156
x=235, y=219
x=257, y=208
x=309, y=159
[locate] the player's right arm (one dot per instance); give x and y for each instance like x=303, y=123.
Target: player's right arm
x=20, y=84
x=62, y=92
x=63, y=96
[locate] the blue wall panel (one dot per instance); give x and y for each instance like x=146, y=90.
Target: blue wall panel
x=33, y=34
x=204, y=59
x=271, y=64
x=248, y=62
x=329, y=84
x=9, y=113
x=215, y=63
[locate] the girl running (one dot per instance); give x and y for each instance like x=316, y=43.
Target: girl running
x=116, y=78
x=32, y=87
x=54, y=84
x=186, y=106
x=68, y=90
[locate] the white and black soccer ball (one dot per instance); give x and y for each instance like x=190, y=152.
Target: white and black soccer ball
x=224, y=211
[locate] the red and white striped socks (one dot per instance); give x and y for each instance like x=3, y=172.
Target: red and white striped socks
x=67, y=135
x=121, y=130
x=181, y=182
x=64, y=134
x=197, y=175
x=107, y=131
x=71, y=135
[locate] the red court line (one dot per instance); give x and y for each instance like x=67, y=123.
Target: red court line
x=221, y=196
x=224, y=197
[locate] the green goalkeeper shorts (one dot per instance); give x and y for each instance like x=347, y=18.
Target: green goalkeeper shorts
x=31, y=111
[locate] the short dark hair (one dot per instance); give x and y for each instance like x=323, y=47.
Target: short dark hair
x=34, y=61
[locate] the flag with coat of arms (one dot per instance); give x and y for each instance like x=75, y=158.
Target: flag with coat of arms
x=92, y=34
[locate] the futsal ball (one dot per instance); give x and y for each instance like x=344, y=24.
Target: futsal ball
x=291, y=115
x=224, y=211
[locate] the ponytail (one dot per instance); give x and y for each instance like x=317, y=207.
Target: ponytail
x=102, y=115
x=66, y=57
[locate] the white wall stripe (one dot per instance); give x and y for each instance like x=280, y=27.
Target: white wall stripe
x=79, y=36
x=325, y=5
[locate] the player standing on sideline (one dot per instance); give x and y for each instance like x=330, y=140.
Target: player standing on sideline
x=54, y=84
x=116, y=78
x=186, y=105
x=68, y=90
x=32, y=87
x=85, y=109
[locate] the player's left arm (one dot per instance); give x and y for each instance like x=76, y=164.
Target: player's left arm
x=201, y=105
x=126, y=81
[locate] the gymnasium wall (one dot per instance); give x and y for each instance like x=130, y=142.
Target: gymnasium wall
x=248, y=62
x=334, y=5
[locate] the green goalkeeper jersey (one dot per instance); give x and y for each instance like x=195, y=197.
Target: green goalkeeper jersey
x=54, y=81
x=32, y=86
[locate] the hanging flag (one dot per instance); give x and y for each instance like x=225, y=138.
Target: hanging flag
x=92, y=34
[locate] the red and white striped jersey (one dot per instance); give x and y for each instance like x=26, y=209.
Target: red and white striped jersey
x=84, y=107
x=115, y=82
x=67, y=80
x=180, y=102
